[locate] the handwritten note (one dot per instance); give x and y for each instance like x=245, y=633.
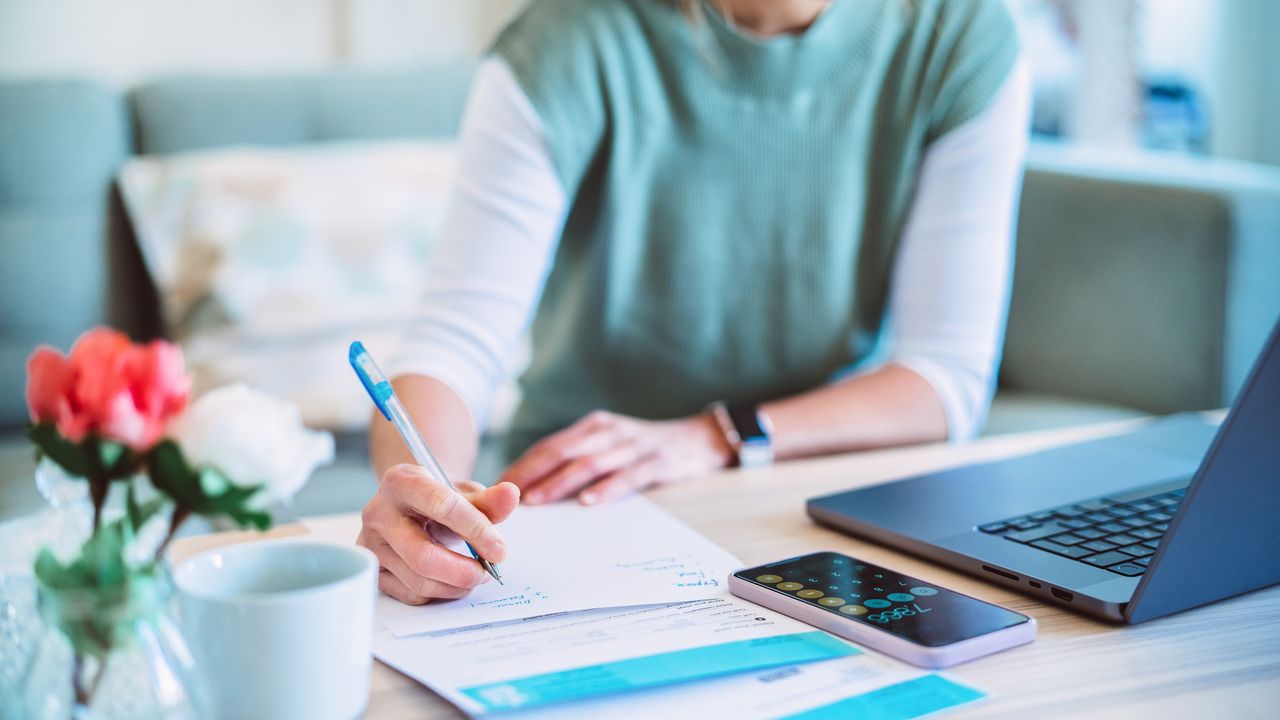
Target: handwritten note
x=566, y=557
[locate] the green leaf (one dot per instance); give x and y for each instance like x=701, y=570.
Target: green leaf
x=54, y=575
x=116, y=460
x=93, y=458
x=140, y=514
x=50, y=444
x=204, y=491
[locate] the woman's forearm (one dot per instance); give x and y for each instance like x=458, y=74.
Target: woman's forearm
x=442, y=418
x=889, y=406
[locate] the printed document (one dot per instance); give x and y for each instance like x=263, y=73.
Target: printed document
x=566, y=557
x=749, y=662
x=575, y=656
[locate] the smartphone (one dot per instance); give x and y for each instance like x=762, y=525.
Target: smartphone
x=912, y=620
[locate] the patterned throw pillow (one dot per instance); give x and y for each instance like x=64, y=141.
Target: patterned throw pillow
x=270, y=261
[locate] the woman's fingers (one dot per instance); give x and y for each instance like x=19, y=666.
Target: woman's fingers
x=425, y=558
x=414, y=585
x=497, y=502
x=417, y=494
x=594, y=433
x=392, y=586
x=582, y=471
x=621, y=483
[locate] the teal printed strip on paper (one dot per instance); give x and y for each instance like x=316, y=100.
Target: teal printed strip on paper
x=902, y=701
x=661, y=669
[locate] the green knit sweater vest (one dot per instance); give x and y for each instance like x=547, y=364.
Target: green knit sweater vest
x=736, y=202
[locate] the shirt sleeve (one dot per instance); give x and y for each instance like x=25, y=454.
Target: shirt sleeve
x=495, y=248
x=951, y=280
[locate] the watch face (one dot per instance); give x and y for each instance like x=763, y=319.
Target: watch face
x=746, y=421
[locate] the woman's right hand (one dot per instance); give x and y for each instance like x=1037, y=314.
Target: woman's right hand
x=409, y=519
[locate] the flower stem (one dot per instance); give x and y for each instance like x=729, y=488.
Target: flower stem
x=180, y=514
x=98, y=488
x=83, y=691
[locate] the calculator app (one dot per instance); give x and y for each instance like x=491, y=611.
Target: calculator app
x=862, y=592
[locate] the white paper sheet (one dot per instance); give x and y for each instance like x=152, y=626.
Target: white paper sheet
x=555, y=648
x=569, y=648
x=566, y=557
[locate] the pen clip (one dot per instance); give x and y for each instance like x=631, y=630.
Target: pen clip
x=375, y=383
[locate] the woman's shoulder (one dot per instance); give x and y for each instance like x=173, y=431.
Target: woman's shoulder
x=958, y=54
x=953, y=20
x=578, y=21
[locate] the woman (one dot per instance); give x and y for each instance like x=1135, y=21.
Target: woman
x=802, y=207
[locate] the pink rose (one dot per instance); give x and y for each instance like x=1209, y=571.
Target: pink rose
x=108, y=387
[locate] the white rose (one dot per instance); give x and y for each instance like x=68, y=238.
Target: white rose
x=254, y=439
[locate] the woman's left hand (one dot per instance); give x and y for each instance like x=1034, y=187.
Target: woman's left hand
x=605, y=456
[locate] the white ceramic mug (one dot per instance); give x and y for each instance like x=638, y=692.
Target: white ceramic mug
x=281, y=628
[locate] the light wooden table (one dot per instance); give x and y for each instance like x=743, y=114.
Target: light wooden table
x=1220, y=661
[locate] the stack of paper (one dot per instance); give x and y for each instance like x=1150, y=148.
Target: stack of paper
x=624, y=598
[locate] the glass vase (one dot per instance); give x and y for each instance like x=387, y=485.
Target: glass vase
x=111, y=657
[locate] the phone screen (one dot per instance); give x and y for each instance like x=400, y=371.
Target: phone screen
x=861, y=592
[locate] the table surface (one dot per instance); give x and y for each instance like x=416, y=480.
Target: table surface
x=1222, y=660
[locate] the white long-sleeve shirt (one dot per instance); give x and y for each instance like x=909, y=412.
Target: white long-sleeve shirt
x=948, y=295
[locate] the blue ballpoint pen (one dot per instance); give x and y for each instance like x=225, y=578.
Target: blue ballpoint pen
x=384, y=397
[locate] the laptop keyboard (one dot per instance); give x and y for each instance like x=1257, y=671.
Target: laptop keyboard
x=1119, y=534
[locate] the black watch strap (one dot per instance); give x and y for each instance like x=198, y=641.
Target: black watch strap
x=748, y=432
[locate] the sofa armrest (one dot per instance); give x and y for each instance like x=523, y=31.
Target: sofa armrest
x=1142, y=280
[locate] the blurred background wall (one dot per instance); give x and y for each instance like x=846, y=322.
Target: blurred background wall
x=126, y=41
x=1196, y=75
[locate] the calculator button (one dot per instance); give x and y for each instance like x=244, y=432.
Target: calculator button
x=769, y=579
x=790, y=586
x=831, y=601
x=877, y=603
x=900, y=597
x=853, y=610
x=810, y=594
x=923, y=591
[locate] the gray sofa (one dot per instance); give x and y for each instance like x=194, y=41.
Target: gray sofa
x=1143, y=285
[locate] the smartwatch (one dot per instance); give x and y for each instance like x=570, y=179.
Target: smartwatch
x=748, y=432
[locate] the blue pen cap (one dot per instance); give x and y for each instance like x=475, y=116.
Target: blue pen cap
x=375, y=383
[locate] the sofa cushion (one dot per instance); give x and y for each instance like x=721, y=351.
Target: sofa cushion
x=61, y=142
x=192, y=113
x=1019, y=411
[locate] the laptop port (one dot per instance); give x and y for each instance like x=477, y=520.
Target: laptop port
x=1001, y=573
x=1062, y=594
x=1034, y=584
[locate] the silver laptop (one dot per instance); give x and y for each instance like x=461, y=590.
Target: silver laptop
x=1175, y=515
